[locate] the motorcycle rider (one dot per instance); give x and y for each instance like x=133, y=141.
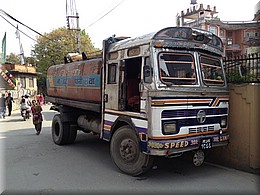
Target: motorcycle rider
x=25, y=104
x=27, y=100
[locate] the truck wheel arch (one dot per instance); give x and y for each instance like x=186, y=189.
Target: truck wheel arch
x=120, y=122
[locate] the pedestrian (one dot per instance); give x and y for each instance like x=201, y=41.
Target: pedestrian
x=2, y=106
x=9, y=101
x=41, y=99
x=37, y=116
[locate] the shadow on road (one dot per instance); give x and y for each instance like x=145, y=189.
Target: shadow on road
x=87, y=165
x=90, y=146
x=98, y=151
x=15, y=117
x=14, y=120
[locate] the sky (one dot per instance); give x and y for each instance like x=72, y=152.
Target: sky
x=131, y=18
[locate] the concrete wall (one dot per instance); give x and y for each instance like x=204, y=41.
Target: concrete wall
x=243, y=152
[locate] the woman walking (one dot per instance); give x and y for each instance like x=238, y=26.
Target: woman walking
x=37, y=116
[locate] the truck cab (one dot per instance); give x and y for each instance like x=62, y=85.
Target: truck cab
x=169, y=87
x=161, y=94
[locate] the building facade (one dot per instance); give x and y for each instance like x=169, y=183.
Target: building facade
x=26, y=82
x=238, y=37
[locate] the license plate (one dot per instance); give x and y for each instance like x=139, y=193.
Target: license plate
x=206, y=143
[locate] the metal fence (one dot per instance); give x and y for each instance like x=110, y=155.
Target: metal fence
x=243, y=69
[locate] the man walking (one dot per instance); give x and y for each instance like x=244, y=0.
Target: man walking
x=9, y=101
x=2, y=106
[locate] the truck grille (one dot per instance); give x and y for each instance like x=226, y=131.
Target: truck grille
x=201, y=129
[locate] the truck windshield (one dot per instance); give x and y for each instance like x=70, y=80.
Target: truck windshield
x=211, y=70
x=177, y=69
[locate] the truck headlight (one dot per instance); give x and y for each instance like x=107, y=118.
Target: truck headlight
x=169, y=128
x=223, y=122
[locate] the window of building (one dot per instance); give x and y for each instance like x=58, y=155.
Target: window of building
x=31, y=84
x=221, y=33
x=23, y=82
x=252, y=33
x=213, y=29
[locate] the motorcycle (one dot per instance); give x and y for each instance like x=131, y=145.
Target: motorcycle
x=25, y=114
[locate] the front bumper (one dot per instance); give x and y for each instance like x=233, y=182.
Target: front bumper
x=176, y=146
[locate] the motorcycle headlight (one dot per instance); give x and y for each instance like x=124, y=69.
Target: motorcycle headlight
x=169, y=128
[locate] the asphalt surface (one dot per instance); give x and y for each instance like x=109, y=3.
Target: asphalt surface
x=32, y=164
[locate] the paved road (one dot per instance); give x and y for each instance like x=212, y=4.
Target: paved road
x=33, y=164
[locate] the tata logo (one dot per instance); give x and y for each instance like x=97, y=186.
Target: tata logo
x=201, y=116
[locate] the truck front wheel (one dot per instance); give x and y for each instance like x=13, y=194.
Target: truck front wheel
x=61, y=131
x=126, y=154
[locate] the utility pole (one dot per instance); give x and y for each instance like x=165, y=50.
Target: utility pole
x=78, y=29
x=72, y=15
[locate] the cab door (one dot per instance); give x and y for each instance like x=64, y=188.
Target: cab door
x=112, y=86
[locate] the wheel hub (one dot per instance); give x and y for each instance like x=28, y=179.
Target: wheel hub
x=128, y=150
x=198, y=158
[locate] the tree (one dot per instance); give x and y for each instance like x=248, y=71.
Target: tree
x=13, y=59
x=30, y=60
x=52, y=47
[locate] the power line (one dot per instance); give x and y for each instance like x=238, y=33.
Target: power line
x=8, y=15
x=60, y=44
x=105, y=14
x=26, y=27
x=23, y=24
x=17, y=28
x=46, y=36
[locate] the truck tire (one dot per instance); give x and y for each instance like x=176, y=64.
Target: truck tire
x=126, y=154
x=60, y=130
x=72, y=135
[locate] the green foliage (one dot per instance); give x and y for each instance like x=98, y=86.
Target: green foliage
x=233, y=77
x=52, y=48
x=237, y=78
x=13, y=59
x=30, y=60
x=253, y=50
